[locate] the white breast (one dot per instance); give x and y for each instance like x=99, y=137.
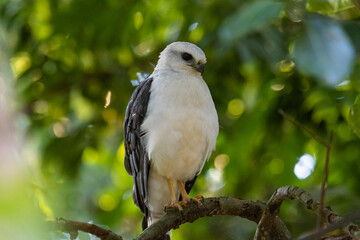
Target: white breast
x=181, y=125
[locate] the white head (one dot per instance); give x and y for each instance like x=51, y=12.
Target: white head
x=182, y=56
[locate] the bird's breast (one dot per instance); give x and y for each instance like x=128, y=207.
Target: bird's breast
x=181, y=127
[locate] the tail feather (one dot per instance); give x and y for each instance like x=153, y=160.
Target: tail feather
x=145, y=225
x=165, y=237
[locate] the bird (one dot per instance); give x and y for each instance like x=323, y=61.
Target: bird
x=170, y=130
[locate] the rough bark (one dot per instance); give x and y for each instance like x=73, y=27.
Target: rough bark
x=270, y=226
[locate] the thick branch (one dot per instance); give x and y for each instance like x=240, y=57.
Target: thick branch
x=213, y=206
x=270, y=226
x=173, y=219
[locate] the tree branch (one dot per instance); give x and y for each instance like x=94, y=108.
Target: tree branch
x=273, y=208
x=73, y=227
x=213, y=206
x=250, y=210
x=324, y=183
x=292, y=192
x=270, y=226
x=351, y=229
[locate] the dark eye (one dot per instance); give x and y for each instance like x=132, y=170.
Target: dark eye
x=186, y=56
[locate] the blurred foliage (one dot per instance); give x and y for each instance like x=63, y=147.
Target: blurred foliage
x=73, y=61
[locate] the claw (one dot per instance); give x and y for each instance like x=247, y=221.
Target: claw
x=174, y=204
x=198, y=199
x=185, y=197
x=185, y=200
x=183, y=203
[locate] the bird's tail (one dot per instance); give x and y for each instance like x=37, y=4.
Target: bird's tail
x=145, y=224
x=165, y=237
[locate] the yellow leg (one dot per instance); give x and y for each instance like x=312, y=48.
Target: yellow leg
x=171, y=188
x=185, y=196
x=174, y=201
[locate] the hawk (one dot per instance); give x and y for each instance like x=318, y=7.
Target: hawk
x=170, y=130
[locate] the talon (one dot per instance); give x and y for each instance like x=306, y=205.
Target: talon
x=174, y=204
x=198, y=199
x=184, y=202
x=186, y=199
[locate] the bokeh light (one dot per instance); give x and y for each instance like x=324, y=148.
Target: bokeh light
x=107, y=202
x=235, y=108
x=305, y=166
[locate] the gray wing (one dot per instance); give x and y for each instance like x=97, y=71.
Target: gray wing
x=136, y=157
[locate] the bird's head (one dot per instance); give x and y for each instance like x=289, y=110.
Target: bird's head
x=182, y=56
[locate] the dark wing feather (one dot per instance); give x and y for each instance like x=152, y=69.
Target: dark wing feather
x=136, y=157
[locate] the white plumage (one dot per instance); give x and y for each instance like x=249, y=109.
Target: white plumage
x=170, y=129
x=181, y=124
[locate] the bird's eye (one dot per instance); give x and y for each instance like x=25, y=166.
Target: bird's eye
x=186, y=56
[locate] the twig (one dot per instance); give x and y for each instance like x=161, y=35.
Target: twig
x=73, y=227
x=340, y=224
x=301, y=126
x=324, y=183
x=326, y=170
x=292, y=192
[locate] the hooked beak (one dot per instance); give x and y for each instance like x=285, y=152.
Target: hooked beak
x=200, y=68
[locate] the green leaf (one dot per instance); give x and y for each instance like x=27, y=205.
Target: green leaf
x=249, y=18
x=354, y=116
x=324, y=51
x=339, y=9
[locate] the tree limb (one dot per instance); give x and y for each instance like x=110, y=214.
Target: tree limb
x=73, y=227
x=270, y=226
x=292, y=192
x=213, y=206
x=251, y=210
x=273, y=208
x=350, y=229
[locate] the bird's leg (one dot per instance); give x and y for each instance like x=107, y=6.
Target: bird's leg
x=185, y=197
x=174, y=201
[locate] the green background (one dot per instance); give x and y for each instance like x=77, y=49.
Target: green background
x=66, y=71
